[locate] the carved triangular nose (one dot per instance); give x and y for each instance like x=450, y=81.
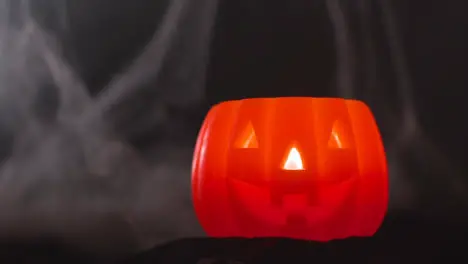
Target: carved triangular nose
x=293, y=160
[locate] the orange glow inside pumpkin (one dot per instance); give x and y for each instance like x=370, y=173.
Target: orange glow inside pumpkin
x=248, y=138
x=338, y=136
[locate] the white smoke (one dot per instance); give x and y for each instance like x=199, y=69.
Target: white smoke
x=415, y=161
x=65, y=170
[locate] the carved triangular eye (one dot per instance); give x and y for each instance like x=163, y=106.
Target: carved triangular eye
x=293, y=160
x=339, y=136
x=247, y=138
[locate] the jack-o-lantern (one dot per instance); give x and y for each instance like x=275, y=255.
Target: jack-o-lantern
x=297, y=167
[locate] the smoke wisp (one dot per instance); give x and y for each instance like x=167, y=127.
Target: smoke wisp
x=65, y=171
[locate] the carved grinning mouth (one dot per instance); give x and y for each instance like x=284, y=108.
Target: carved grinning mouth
x=291, y=209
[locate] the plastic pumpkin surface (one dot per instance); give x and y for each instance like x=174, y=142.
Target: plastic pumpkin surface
x=295, y=167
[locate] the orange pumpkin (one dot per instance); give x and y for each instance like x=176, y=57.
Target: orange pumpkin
x=297, y=167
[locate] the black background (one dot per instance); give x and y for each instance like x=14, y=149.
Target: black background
x=406, y=59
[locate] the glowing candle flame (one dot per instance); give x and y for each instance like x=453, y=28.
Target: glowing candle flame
x=293, y=161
